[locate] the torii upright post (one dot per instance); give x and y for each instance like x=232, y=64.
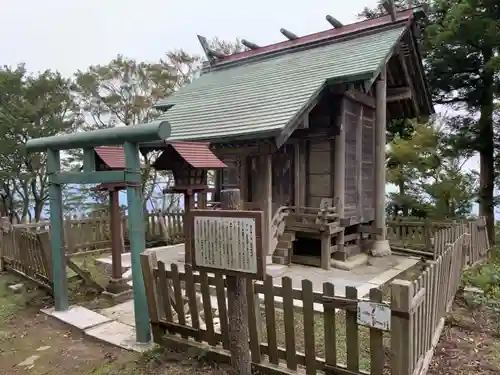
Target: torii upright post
x=130, y=137
x=136, y=229
x=59, y=274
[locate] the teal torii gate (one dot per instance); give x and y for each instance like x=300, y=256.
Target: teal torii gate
x=129, y=137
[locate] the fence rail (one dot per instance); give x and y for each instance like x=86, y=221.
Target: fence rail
x=89, y=234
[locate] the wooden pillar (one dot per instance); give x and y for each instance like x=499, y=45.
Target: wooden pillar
x=381, y=245
x=116, y=234
x=202, y=200
x=339, y=180
x=218, y=185
x=326, y=252
x=265, y=194
x=359, y=165
x=296, y=175
x=302, y=182
x=243, y=173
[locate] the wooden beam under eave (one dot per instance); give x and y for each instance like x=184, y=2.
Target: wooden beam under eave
x=408, y=80
x=397, y=94
x=300, y=119
x=361, y=97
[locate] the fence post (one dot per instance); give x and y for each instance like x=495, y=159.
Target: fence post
x=2, y=244
x=427, y=237
x=401, y=328
x=148, y=263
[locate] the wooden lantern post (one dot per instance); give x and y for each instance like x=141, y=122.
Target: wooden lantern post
x=116, y=284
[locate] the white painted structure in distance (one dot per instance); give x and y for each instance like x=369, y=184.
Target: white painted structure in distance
x=225, y=243
x=375, y=315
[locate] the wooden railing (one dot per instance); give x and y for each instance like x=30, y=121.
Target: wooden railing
x=23, y=253
x=274, y=333
x=427, y=238
x=91, y=234
x=277, y=227
x=312, y=219
x=427, y=301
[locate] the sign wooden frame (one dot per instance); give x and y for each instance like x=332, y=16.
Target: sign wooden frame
x=259, y=246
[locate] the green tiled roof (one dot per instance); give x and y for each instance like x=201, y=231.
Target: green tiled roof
x=264, y=96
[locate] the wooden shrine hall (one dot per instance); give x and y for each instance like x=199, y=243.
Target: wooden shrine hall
x=300, y=126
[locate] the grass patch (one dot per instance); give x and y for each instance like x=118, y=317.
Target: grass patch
x=12, y=303
x=319, y=336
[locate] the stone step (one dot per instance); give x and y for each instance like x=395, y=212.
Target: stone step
x=288, y=236
x=280, y=252
x=280, y=260
x=284, y=244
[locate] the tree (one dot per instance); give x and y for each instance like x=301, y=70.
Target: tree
x=408, y=160
x=38, y=105
x=428, y=172
x=460, y=45
x=124, y=91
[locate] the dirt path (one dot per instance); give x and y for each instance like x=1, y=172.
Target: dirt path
x=470, y=343
x=32, y=343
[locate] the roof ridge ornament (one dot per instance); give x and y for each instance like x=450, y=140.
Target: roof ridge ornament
x=211, y=54
x=249, y=44
x=288, y=34
x=334, y=22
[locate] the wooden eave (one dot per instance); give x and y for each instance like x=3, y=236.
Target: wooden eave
x=408, y=93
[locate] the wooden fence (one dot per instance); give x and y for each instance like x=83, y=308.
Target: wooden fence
x=23, y=252
x=28, y=254
x=431, y=296
x=427, y=238
x=89, y=234
x=286, y=340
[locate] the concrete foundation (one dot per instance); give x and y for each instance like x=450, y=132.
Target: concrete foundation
x=381, y=248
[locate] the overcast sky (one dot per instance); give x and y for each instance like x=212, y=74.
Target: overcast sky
x=72, y=34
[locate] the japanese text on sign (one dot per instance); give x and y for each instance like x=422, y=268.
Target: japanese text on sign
x=226, y=243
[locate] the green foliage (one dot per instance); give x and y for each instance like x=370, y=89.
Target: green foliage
x=429, y=175
x=486, y=278
x=31, y=105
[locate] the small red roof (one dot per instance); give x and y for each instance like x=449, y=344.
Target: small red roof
x=317, y=37
x=113, y=157
x=198, y=154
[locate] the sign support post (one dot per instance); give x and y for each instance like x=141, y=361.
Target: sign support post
x=237, y=303
x=230, y=242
